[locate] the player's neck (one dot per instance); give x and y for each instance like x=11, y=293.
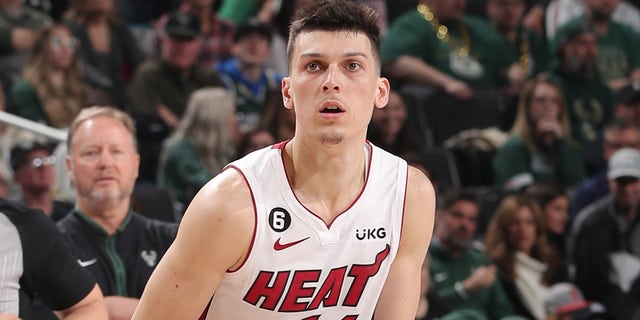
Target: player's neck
x=346, y=157
x=325, y=179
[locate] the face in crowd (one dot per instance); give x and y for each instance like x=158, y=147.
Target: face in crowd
x=103, y=161
x=456, y=225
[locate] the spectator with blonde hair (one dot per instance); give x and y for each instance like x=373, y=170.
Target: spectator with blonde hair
x=516, y=241
x=52, y=90
x=201, y=145
x=540, y=148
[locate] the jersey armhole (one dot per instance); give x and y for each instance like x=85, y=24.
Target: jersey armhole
x=255, y=219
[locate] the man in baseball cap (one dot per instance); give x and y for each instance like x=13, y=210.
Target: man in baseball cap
x=627, y=104
x=161, y=87
x=183, y=25
x=32, y=162
x=608, y=229
x=624, y=163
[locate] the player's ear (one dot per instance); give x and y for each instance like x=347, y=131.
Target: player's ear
x=286, y=93
x=382, y=93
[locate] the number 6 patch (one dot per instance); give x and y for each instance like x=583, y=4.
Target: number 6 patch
x=279, y=219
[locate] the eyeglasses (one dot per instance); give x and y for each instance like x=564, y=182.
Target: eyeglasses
x=59, y=42
x=43, y=161
x=543, y=99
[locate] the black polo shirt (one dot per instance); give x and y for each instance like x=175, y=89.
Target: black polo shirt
x=123, y=262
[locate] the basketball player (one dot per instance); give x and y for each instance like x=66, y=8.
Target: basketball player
x=325, y=226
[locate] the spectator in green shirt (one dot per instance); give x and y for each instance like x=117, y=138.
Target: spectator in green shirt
x=540, y=148
x=618, y=45
x=461, y=274
x=438, y=45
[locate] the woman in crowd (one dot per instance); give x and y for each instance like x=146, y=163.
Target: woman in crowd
x=516, y=241
x=106, y=45
x=201, y=145
x=540, y=148
x=390, y=129
x=52, y=90
x=254, y=140
x=554, y=202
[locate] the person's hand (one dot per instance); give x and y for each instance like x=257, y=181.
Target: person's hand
x=617, y=84
x=482, y=277
x=22, y=39
x=516, y=78
x=268, y=10
x=516, y=75
x=458, y=89
x=534, y=19
x=550, y=125
x=4, y=316
x=167, y=116
x=549, y=130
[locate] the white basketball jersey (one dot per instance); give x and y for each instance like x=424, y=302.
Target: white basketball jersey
x=301, y=268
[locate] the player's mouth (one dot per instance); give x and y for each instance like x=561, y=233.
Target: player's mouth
x=329, y=107
x=331, y=110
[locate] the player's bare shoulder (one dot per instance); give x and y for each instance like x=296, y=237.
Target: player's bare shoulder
x=420, y=200
x=227, y=192
x=419, y=187
x=221, y=214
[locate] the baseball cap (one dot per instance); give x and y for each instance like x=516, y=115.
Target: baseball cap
x=250, y=26
x=183, y=24
x=624, y=163
x=566, y=299
x=568, y=32
x=629, y=94
x=22, y=148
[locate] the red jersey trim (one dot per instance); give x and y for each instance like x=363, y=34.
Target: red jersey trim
x=281, y=146
x=255, y=220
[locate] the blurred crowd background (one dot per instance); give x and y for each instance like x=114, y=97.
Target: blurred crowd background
x=524, y=113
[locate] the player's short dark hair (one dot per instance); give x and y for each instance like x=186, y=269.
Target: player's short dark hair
x=336, y=15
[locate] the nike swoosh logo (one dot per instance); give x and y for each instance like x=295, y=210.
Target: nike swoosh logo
x=281, y=246
x=87, y=263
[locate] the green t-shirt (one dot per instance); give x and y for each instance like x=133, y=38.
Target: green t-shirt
x=412, y=35
x=238, y=10
x=446, y=270
x=617, y=50
x=536, y=51
x=26, y=102
x=183, y=171
x=563, y=164
x=589, y=103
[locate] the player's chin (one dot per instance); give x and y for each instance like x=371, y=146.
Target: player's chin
x=331, y=138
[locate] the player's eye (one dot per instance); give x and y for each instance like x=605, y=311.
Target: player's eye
x=313, y=66
x=353, y=66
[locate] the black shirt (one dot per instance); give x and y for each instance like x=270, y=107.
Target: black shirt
x=36, y=262
x=123, y=262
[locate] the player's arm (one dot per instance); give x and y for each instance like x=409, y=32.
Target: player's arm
x=401, y=292
x=120, y=307
x=416, y=70
x=214, y=236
